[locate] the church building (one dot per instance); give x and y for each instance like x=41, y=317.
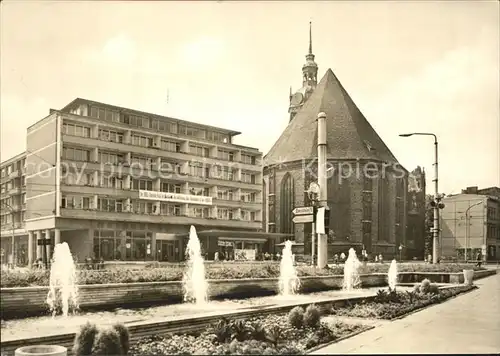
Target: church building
x=367, y=187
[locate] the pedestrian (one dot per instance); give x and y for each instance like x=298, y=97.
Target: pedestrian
x=342, y=256
x=479, y=259
x=336, y=259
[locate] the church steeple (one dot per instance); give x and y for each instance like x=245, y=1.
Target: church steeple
x=310, y=69
x=309, y=81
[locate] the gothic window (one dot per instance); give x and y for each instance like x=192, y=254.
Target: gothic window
x=367, y=206
x=367, y=183
x=286, y=204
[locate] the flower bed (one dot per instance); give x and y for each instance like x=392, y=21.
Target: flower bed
x=284, y=334
x=228, y=271
x=393, y=304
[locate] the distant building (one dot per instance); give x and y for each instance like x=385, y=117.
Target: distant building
x=13, y=210
x=367, y=210
x=415, y=226
x=479, y=232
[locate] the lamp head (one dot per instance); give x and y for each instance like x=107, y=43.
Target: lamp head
x=313, y=188
x=405, y=135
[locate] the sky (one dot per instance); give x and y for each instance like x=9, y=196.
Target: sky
x=421, y=66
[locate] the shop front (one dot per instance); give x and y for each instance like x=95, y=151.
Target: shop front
x=232, y=245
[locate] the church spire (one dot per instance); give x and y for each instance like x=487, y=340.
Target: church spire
x=310, y=69
x=310, y=39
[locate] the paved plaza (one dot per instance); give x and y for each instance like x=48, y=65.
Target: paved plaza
x=469, y=323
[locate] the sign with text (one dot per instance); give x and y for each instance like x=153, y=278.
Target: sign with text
x=304, y=210
x=302, y=219
x=175, y=197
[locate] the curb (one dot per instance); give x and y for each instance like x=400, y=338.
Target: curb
x=348, y=336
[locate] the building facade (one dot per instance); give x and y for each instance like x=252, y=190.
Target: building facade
x=415, y=228
x=121, y=184
x=471, y=222
x=12, y=210
x=367, y=188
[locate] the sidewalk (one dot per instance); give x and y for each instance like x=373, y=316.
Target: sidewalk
x=469, y=323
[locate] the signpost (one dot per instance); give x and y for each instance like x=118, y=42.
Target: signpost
x=304, y=210
x=302, y=219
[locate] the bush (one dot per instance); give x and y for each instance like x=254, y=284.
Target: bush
x=84, y=340
x=433, y=289
x=110, y=341
x=312, y=316
x=296, y=317
x=107, y=343
x=122, y=331
x=425, y=285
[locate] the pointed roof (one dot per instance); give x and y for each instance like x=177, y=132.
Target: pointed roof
x=349, y=134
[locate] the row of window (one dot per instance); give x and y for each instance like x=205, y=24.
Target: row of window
x=110, y=115
x=72, y=178
x=13, y=184
x=142, y=207
x=493, y=231
x=148, y=141
x=6, y=220
x=15, y=166
x=493, y=213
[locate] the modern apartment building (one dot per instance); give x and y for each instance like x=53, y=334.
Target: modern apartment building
x=13, y=209
x=122, y=184
x=471, y=222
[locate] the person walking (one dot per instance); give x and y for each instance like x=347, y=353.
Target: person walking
x=479, y=258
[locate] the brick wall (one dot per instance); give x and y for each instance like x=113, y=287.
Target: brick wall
x=346, y=201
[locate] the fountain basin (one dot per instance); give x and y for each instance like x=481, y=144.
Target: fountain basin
x=25, y=301
x=41, y=350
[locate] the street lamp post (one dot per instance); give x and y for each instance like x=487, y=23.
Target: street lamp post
x=313, y=194
x=436, y=203
x=467, y=227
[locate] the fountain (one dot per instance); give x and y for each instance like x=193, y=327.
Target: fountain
x=63, y=290
x=351, y=272
x=194, y=281
x=289, y=282
x=392, y=275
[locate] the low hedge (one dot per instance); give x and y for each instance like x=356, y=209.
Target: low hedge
x=14, y=278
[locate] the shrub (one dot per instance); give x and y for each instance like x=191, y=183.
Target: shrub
x=274, y=335
x=92, y=342
x=222, y=331
x=416, y=288
x=312, y=316
x=381, y=296
x=296, y=317
x=107, y=343
x=257, y=331
x=84, y=340
x=122, y=331
x=425, y=286
x=433, y=289
x=239, y=330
